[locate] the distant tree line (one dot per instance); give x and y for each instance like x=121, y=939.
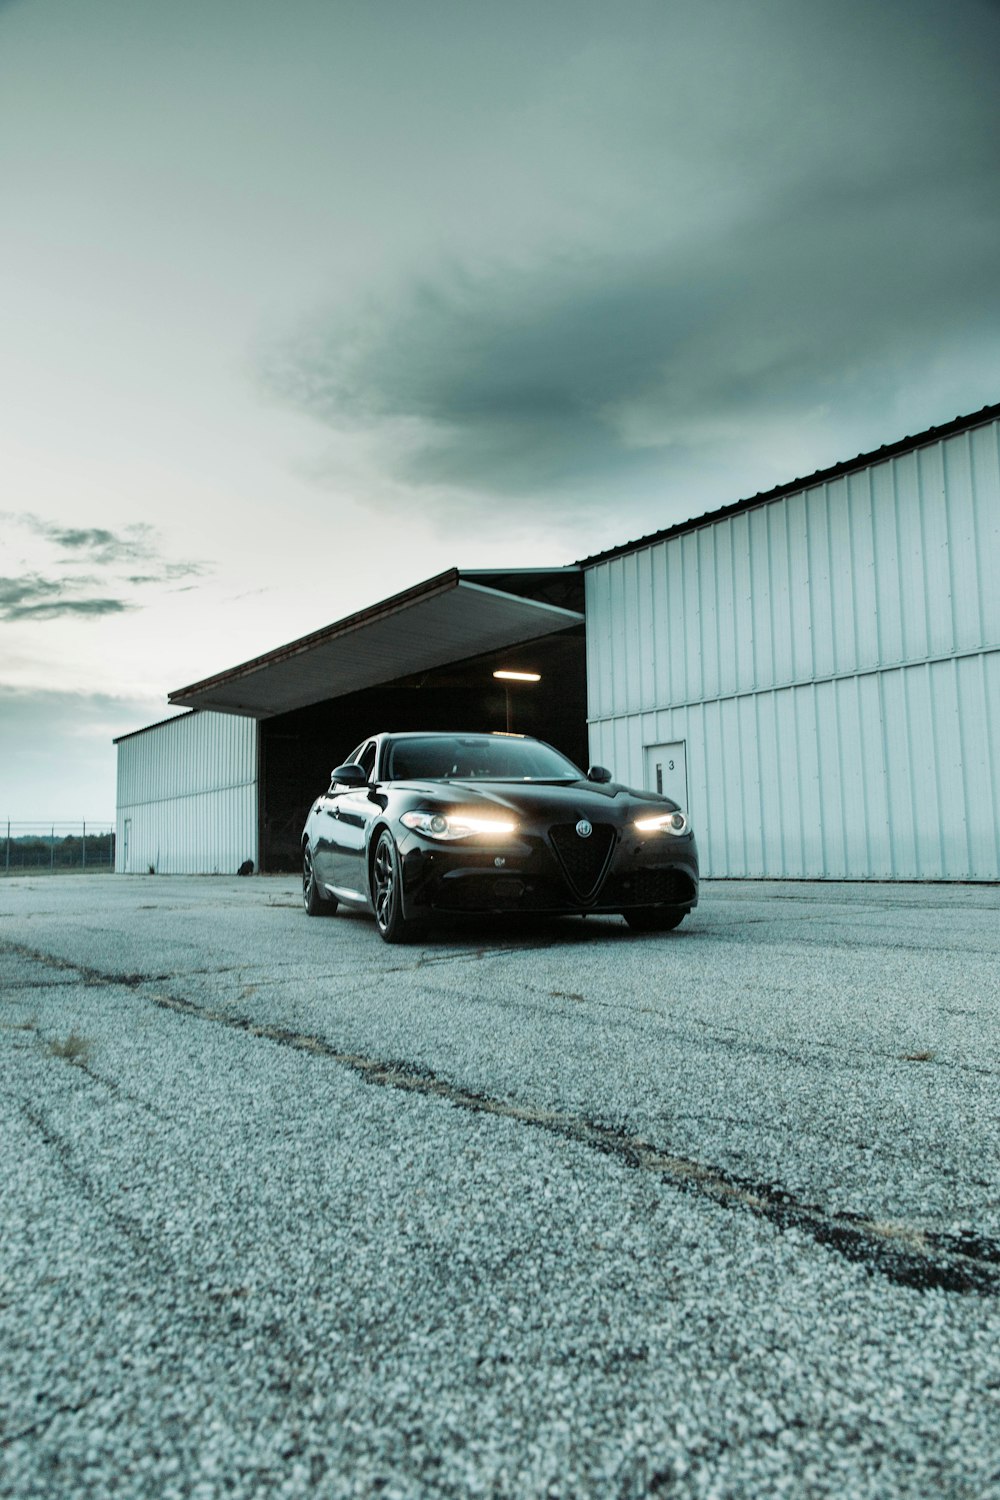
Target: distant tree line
x=47, y=851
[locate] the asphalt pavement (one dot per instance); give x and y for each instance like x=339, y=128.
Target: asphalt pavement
x=556, y=1211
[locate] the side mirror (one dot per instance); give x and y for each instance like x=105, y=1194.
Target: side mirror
x=598, y=773
x=349, y=775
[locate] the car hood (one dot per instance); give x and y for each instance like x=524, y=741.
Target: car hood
x=553, y=800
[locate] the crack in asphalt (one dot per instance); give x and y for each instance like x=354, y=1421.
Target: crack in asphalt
x=921, y=1259
x=964, y=1263
x=65, y=1409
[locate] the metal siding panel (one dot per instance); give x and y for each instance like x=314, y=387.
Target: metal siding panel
x=630, y=666
x=877, y=842
x=820, y=610
x=709, y=618
x=788, y=780
x=742, y=603
x=617, y=627
x=759, y=567
x=851, y=779
x=830, y=787
x=748, y=743
x=620, y=749
x=661, y=616
x=821, y=794
x=189, y=788
x=862, y=562
x=962, y=562
x=689, y=725
x=948, y=736
x=898, y=775
x=724, y=605
x=886, y=567
x=890, y=775
x=707, y=774
x=694, y=680
x=842, y=602
x=674, y=660
x=980, y=767
x=206, y=833
x=924, y=774
x=932, y=510
x=770, y=792
x=985, y=475
x=779, y=613
x=989, y=800
x=808, y=705
x=799, y=602
x=646, y=608
x=599, y=667
x=912, y=589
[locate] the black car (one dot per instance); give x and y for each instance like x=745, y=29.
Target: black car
x=421, y=825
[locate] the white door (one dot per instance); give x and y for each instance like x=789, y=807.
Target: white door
x=666, y=771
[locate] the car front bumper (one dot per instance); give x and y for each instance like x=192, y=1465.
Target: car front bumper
x=527, y=875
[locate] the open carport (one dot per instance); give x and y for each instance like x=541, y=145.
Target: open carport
x=422, y=659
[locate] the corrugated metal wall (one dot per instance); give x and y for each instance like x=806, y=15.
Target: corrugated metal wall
x=832, y=661
x=187, y=796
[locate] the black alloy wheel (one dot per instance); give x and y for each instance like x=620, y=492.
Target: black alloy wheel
x=315, y=904
x=387, y=895
x=653, y=919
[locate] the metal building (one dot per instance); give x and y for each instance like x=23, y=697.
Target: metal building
x=815, y=673
x=187, y=796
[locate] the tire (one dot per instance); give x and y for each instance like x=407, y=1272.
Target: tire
x=654, y=919
x=387, y=893
x=315, y=904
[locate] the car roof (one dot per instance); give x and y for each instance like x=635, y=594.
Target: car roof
x=445, y=734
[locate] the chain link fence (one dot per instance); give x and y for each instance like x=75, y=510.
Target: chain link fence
x=56, y=848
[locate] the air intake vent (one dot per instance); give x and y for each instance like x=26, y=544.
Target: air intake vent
x=584, y=861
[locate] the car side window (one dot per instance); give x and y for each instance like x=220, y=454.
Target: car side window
x=366, y=760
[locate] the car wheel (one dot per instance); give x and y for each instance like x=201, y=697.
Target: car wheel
x=315, y=904
x=387, y=894
x=653, y=919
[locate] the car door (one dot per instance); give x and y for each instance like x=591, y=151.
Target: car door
x=324, y=830
x=353, y=811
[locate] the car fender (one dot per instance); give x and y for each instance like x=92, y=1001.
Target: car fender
x=371, y=839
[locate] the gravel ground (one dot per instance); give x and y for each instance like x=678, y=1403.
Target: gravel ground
x=562, y=1212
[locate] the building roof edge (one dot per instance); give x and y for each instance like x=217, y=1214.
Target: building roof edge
x=821, y=476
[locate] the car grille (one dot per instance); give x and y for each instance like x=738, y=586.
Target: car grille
x=652, y=887
x=583, y=860
x=485, y=893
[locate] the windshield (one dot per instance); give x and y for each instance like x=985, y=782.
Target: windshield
x=476, y=757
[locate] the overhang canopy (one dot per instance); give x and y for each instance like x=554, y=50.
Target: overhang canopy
x=448, y=618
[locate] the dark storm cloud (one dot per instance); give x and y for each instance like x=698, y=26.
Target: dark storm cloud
x=135, y=543
x=36, y=598
x=62, y=590
x=94, y=539
x=167, y=573
x=828, y=216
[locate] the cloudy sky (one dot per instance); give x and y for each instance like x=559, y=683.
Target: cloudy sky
x=302, y=302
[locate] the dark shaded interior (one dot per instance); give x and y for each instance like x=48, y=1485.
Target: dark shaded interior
x=299, y=749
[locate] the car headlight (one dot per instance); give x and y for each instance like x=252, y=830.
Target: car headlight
x=456, y=825
x=670, y=822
